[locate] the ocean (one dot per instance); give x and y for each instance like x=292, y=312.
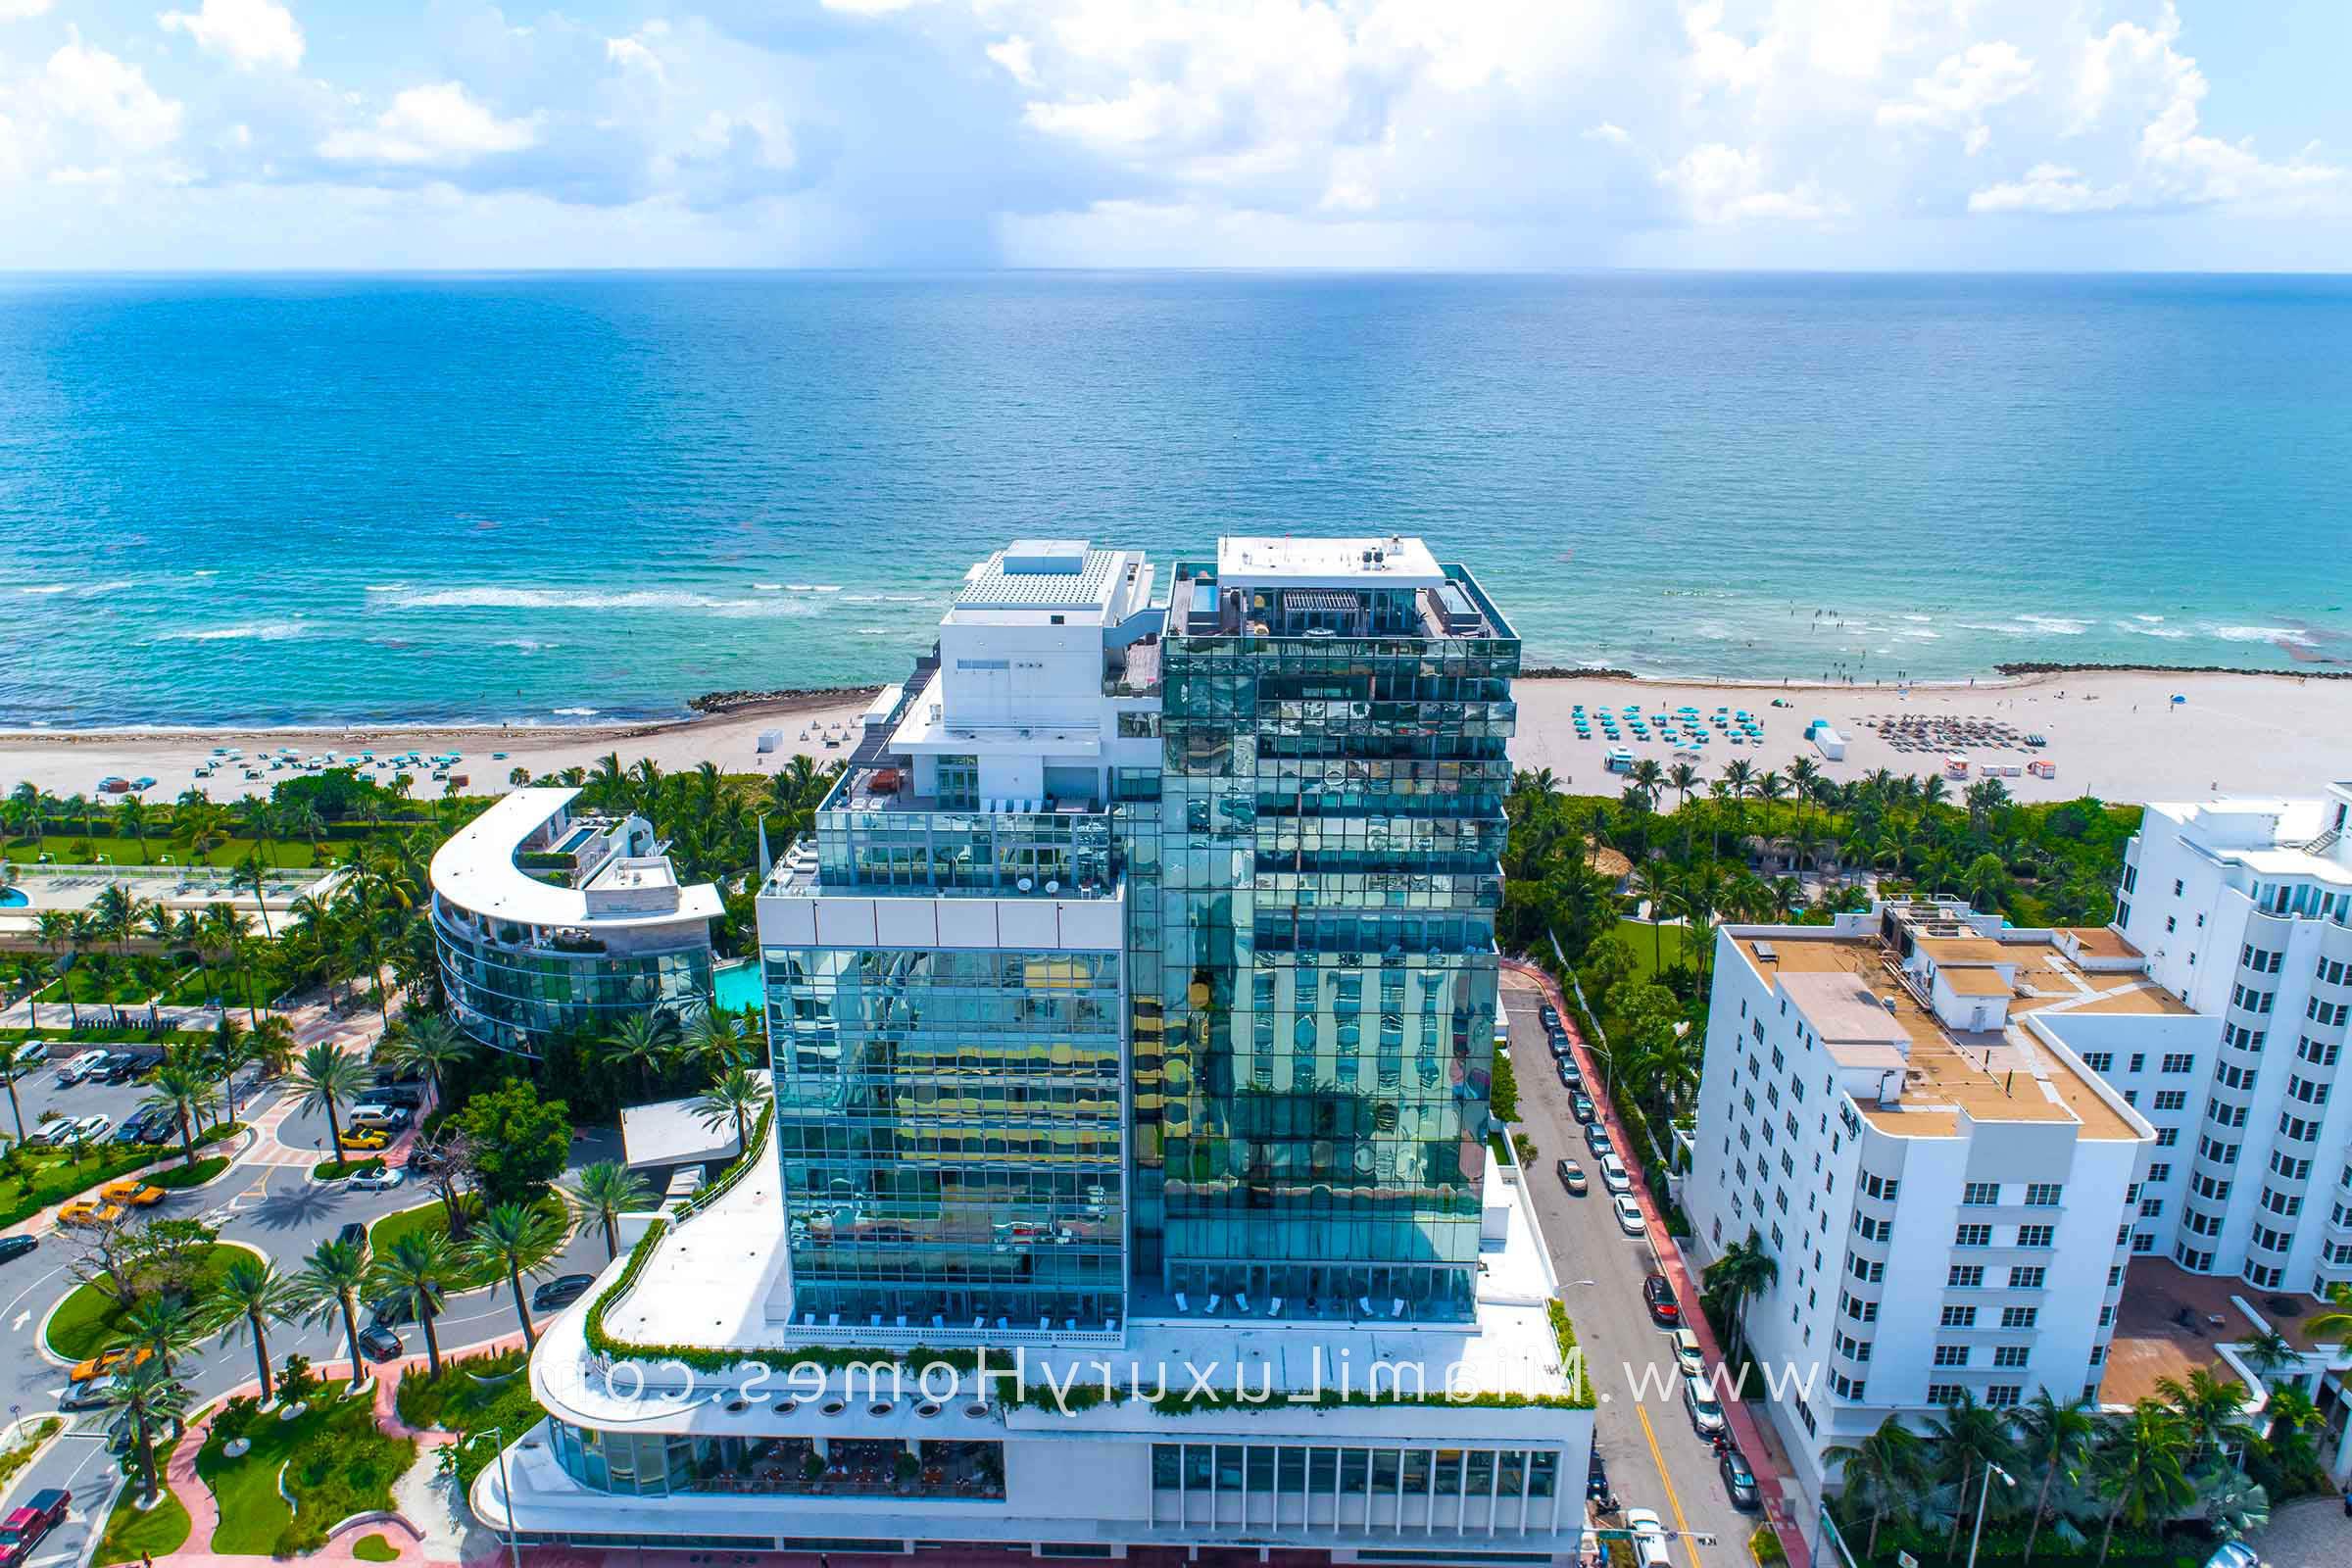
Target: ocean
x=550, y=498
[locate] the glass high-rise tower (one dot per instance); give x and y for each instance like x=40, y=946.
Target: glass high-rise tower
x=1144, y=961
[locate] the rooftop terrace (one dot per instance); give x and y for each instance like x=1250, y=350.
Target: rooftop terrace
x=1868, y=1016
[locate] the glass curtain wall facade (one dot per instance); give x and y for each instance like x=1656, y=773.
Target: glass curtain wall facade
x=949, y=1130
x=515, y=994
x=1313, y=963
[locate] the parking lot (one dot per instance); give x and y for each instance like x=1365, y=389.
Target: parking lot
x=1641, y=1430
x=39, y=1093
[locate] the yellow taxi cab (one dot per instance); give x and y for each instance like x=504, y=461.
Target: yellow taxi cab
x=105, y=1361
x=132, y=1193
x=88, y=1211
x=367, y=1139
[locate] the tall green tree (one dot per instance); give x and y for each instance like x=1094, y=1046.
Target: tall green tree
x=327, y=1080
x=150, y=1403
x=607, y=1189
x=517, y=1240
x=250, y=1296
x=183, y=1087
x=330, y=1281
x=416, y=1269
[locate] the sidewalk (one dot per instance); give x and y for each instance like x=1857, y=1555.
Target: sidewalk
x=1764, y=1455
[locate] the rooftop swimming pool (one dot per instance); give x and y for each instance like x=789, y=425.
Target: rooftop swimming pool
x=738, y=986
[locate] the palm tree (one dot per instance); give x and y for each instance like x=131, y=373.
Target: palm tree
x=251, y=1296
x=2336, y=1322
x=130, y=821
x=185, y=1089
x=164, y=1327
x=149, y=1400
x=331, y=1278
x=199, y=827
x=1885, y=1473
x=642, y=1041
x=738, y=1093
x=328, y=1080
x=2211, y=1411
x=607, y=1189
x=416, y=1269
x=273, y=1041
x=1655, y=882
x=1965, y=1436
x=2052, y=1436
x=427, y=1040
x=517, y=1239
x=2142, y=1469
x=1684, y=778
x=253, y=876
x=714, y=1036
x=1744, y=1271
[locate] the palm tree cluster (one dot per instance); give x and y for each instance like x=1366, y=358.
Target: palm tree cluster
x=123, y=943
x=2064, y=1471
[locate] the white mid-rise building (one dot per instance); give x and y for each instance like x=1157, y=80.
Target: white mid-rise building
x=1947, y=1188
x=2243, y=908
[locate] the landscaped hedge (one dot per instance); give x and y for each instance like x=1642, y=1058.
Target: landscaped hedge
x=54, y=1180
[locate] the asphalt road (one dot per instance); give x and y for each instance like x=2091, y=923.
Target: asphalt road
x=275, y=1208
x=1641, y=1430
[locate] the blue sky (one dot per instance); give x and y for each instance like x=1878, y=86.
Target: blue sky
x=1439, y=133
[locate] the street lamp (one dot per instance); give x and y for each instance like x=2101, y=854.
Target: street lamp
x=1974, y=1536
x=507, y=1487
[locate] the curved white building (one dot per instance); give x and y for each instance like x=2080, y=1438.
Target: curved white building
x=550, y=920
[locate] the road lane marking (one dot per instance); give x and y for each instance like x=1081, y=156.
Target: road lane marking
x=1672, y=1501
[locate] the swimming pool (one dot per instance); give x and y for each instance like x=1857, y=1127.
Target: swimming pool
x=738, y=986
x=15, y=899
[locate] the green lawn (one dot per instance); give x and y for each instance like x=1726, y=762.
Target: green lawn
x=374, y=1549
x=34, y=1178
x=20, y=1454
x=90, y=1320
x=1652, y=947
x=65, y=849
x=336, y=1465
x=157, y=1532
x=389, y=1231
x=175, y=1177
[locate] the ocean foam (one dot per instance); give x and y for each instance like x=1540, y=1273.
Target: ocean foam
x=266, y=631
x=2056, y=625
x=48, y=588
x=495, y=597
x=575, y=713
x=2263, y=634
x=2150, y=626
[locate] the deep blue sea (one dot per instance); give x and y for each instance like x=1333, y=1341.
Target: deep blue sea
x=298, y=499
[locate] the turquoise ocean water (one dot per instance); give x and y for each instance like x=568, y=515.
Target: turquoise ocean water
x=290, y=501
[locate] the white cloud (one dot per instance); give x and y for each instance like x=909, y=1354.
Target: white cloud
x=1615, y=135
x=1723, y=184
x=1014, y=53
x=1956, y=93
x=2048, y=188
x=22, y=10
x=248, y=33
x=439, y=123
x=91, y=87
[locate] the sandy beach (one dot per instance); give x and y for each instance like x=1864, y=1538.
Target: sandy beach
x=2113, y=734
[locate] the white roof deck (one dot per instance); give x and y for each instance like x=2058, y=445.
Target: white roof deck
x=711, y=1281
x=1312, y=562
x=476, y=870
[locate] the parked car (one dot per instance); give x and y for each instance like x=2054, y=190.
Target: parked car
x=366, y=1140
x=15, y=1246
x=74, y=1070
x=1613, y=1174
x=391, y=1312
x=1649, y=1538
x=560, y=1292
x=115, y=1066
x=1658, y=1294
x=379, y=1113
x=143, y=1126
x=103, y=1362
x=30, y=1055
x=378, y=1181
x=88, y=1211
x=378, y=1343
x=1550, y=1017
x=1689, y=1358
x=1559, y=1047
x=1597, y=1139
x=84, y=1130
x=1568, y=1078
x=353, y=1232
x=23, y=1527
x=88, y=1394
x=1597, y=1478
x=1740, y=1481
x=1628, y=1214
x=1582, y=1106
x=1706, y=1416
x=410, y=1095
x=1572, y=1177
x=118, y=1434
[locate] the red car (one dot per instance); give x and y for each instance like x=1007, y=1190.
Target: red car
x=1660, y=1296
x=24, y=1527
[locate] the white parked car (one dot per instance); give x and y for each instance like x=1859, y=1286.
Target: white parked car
x=378, y=1181
x=1688, y=1359
x=376, y=1115
x=1705, y=1415
x=84, y=1130
x=1628, y=1214
x=75, y=1068
x=1613, y=1174
x=1649, y=1538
